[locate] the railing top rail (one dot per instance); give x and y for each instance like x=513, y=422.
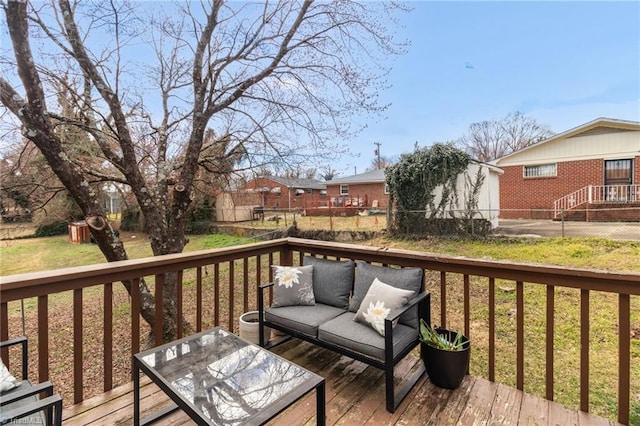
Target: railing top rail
x=85, y=276
x=600, y=280
x=47, y=282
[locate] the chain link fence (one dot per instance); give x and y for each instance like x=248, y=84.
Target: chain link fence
x=613, y=223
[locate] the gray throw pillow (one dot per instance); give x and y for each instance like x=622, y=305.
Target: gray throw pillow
x=293, y=286
x=379, y=302
x=404, y=278
x=332, y=280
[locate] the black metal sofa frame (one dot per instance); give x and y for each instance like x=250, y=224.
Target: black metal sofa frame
x=393, y=397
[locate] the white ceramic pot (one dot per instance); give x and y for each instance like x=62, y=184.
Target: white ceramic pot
x=250, y=328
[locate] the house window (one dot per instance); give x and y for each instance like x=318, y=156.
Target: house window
x=309, y=191
x=386, y=188
x=344, y=189
x=618, y=172
x=299, y=192
x=541, y=170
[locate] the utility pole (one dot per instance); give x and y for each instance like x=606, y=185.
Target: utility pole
x=377, y=152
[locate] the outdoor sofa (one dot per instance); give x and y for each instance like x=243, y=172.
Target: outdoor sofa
x=339, y=290
x=20, y=401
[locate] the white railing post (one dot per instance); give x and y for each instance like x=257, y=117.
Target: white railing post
x=590, y=194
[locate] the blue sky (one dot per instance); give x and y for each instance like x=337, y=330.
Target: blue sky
x=562, y=63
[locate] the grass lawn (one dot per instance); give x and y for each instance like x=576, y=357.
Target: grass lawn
x=18, y=256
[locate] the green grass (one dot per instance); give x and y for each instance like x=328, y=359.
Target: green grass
x=29, y=255
x=593, y=253
x=41, y=254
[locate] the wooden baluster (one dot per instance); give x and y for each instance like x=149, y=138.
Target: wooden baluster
x=78, y=368
x=216, y=294
x=492, y=329
x=159, y=309
x=550, y=342
x=107, y=334
x=520, y=335
x=199, y=298
x=624, y=364
x=135, y=319
x=584, y=350
x=179, y=301
x=43, y=338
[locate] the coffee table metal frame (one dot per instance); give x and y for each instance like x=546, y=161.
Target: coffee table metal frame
x=179, y=401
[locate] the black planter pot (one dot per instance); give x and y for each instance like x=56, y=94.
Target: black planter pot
x=446, y=369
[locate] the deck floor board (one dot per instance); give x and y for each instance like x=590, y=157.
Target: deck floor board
x=355, y=396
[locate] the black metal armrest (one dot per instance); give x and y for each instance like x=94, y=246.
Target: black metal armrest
x=263, y=286
x=53, y=402
x=22, y=340
x=11, y=342
x=419, y=299
x=44, y=387
x=261, y=289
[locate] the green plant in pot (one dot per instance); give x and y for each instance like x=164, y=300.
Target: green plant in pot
x=445, y=355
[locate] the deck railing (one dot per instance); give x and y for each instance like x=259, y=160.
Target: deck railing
x=218, y=285
x=597, y=194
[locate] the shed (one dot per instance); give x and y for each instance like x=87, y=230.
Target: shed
x=79, y=232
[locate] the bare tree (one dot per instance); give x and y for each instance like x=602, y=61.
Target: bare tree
x=489, y=140
x=327, y=172
x=142, y=86
x=381, y=162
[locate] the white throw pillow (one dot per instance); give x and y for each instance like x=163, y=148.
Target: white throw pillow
x=7, y=381
x=381, y=299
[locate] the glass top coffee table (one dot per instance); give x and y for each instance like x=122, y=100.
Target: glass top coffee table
x=217, y=378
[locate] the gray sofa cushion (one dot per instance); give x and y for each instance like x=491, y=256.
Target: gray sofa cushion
x=404, y=278
x=332, y=280
x=344, y=331
x=304, y=319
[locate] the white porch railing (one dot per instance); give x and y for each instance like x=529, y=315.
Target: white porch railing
x=597, y=194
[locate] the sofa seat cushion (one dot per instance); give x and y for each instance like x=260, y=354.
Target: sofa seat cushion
x=345, y=332
x=303, y=319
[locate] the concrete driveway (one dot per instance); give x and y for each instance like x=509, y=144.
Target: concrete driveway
x=549, y=228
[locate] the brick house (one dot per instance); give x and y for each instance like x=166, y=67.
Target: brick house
x=583, y=174
x=364, y=190
x=288, y=193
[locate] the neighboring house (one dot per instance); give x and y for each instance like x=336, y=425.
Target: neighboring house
x=288, y=193
x=112, y=198
x=365, y=190
x=369, y=191
x=595, y=166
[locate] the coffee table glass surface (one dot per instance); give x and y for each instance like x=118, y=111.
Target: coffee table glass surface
x=218, y=378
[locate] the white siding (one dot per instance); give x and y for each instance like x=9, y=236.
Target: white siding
x=613, y=145
x=488, y=198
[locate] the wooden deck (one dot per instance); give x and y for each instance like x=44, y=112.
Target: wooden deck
x=355, y=396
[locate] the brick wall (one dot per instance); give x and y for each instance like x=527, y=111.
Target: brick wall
x=532, y=198
x=368, y=192
x=520, y=197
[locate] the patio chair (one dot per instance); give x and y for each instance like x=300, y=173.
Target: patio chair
x=22, y=402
